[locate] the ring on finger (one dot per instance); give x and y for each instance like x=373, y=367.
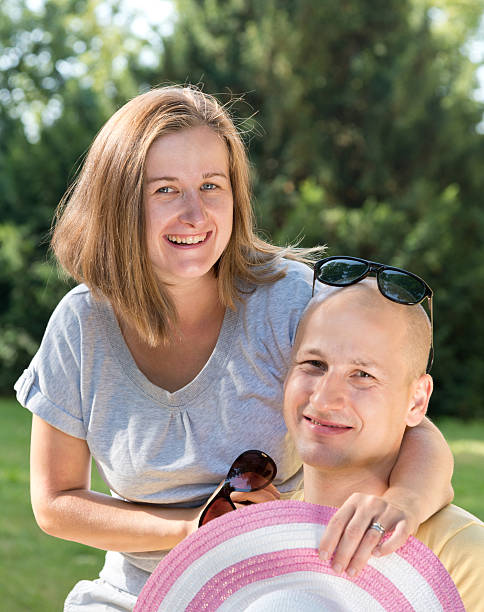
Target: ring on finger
x=377, y=527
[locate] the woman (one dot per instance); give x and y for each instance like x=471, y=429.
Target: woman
x=168, y=360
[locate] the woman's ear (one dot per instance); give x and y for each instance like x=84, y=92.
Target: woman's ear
x=419, y=399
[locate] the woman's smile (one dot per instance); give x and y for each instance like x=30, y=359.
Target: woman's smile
x=183, y=240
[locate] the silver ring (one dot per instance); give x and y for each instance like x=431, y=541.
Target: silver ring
x=377, y=527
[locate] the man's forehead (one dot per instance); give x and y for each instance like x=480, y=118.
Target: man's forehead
x=354, y=310
x=355, y=301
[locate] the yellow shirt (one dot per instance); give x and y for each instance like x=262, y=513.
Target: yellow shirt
x=457, y=538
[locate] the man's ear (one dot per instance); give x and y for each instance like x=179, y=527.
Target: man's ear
x=419, y=400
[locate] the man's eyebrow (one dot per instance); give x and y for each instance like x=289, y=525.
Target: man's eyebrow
x=309, y=350
x=357, y=361
x=365, y=363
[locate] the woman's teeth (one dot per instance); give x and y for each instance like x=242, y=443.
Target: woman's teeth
x=186, y=239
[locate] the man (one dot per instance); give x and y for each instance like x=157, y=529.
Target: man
x=356, y=381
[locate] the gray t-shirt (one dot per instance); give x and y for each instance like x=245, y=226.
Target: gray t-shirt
x=170, y=448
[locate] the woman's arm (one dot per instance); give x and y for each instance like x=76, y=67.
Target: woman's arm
x=65, y=507
x=419, y=486
x=421, y=478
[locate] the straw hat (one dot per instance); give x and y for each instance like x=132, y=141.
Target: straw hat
x=263, y=558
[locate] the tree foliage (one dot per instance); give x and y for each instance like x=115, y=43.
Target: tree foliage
x=359, y=116
x=62, y=74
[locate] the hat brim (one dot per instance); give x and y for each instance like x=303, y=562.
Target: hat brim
x=232, y=561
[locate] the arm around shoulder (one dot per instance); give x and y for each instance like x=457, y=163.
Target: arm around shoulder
x=421, y=477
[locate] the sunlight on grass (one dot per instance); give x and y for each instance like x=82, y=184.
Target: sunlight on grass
x=466, y=447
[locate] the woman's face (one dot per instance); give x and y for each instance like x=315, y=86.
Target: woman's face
x=188, y=203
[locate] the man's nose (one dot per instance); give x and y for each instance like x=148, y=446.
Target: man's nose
x=329, y=393
x=193, y=209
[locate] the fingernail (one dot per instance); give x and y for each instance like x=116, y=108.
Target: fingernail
x=323, y=555
x=351, y=572
x=376, y=553
x=337, y=568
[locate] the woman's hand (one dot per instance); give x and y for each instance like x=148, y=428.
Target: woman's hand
x=349, y=537
x=268, y=494
x=240, y=499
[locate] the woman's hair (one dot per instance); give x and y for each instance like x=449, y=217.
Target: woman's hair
x=99, y=236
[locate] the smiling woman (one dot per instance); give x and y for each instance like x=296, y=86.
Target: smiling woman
x=168, y=360
x=188, y=203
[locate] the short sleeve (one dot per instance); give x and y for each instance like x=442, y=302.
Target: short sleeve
x=457, y=538
x=50, y=386
x=463, y=557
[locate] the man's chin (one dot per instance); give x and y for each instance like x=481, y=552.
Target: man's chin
x=323, y=458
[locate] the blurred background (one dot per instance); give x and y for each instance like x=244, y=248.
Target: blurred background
x=365, y=129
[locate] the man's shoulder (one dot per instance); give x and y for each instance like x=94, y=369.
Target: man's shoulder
x=450, y=524
x=456, y=537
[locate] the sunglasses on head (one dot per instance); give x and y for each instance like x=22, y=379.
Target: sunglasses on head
x=251, y=471
x=396, y=284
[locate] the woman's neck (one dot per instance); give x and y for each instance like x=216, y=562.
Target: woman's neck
x=196, y=301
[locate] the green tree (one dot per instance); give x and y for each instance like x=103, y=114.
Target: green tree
x=65, y=68
x=365, y=139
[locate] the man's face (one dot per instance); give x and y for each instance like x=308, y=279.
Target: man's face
x=347, y=393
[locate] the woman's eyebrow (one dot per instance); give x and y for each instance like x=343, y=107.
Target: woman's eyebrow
x=205, y=175
x=210, y=174
x=161, y=178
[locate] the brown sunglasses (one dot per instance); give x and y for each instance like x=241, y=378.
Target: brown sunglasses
x=251, y=471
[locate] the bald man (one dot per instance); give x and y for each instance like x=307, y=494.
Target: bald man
x=356, y=381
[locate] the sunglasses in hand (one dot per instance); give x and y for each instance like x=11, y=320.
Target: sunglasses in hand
x=251, y=471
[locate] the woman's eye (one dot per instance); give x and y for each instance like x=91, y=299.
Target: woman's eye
x=209, y=186
x=165, y=189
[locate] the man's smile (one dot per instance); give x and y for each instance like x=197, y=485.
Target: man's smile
x=325, y=426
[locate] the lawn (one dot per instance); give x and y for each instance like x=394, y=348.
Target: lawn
x=39, y=570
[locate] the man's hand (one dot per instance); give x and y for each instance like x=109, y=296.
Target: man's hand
x=349, y=537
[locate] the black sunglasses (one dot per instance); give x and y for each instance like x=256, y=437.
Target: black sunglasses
x=251, y=471
x=395, y=284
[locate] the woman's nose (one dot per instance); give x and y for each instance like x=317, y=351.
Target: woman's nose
x=193, y=209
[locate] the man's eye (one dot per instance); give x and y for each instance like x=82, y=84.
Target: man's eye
x=362, y=374
x=314, y=363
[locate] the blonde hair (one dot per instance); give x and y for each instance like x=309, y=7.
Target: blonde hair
x=99, y=235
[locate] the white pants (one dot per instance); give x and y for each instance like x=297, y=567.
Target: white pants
x=98, y=596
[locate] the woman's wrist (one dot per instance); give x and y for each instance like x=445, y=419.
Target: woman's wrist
x=408, y=502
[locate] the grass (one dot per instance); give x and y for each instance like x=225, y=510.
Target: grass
x=466, y=439
x=38, y=570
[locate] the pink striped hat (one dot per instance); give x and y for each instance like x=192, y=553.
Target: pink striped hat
x=263, y=558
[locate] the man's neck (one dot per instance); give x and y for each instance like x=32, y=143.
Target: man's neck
x=333, y=487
